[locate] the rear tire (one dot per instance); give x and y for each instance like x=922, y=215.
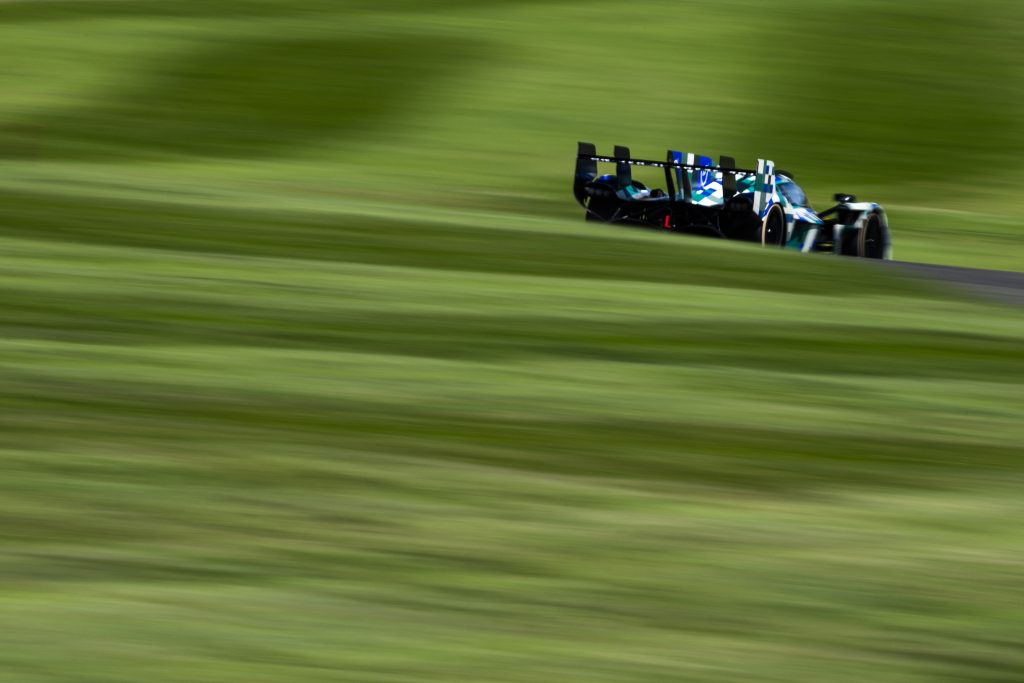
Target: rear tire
x=773, y=228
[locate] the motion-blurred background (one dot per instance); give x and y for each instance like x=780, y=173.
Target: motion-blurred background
x=310, y=369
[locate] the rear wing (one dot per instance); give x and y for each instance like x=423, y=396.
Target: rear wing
x=689, y=178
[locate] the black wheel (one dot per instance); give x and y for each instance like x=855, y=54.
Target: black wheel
x=773, y=229
x=871, y=239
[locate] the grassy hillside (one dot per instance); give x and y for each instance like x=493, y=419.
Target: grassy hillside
x=309, y=371
x=469, y=104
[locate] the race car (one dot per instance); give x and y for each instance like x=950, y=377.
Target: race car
x=761, y=205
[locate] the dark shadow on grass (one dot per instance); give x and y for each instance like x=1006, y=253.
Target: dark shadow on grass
x=249, y=98
x=69, y=10
x=25, y=11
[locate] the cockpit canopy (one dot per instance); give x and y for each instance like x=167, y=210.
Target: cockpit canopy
x=793, y=193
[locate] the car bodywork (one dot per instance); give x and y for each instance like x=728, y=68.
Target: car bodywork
x=761, y=204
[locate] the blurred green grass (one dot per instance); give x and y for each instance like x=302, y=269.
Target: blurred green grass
x=311, y=371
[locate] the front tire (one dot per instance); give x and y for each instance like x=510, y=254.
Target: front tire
x=871, y=239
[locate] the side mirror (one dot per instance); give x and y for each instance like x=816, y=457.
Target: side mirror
x=843, y=198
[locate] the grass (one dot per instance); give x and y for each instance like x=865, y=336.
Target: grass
x=274, y=408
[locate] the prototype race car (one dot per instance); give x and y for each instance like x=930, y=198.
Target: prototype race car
x=756, y=205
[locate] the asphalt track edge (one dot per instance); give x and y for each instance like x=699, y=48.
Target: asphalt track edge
x=997, y=285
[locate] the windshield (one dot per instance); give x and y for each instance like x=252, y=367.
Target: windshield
x=792, y=192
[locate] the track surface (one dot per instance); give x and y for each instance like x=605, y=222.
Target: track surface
x=1000, y=285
